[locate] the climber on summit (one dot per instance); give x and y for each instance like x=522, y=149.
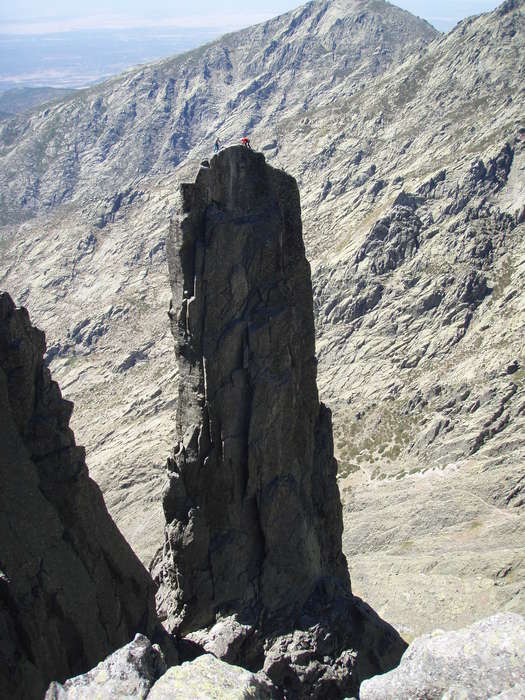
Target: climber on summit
x=217, y=145
x=246, y=142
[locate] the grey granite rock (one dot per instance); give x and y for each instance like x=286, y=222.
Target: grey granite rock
x=71, y=588
x=517, y=692
x=485, y=660
x=252, y=505
x=128, y=673
x=209, y=678
x=252, y=565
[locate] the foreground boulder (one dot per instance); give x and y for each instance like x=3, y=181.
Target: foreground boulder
x=129, y=672
x=138, y=671
x=71, y=589
x=208, y=678
x=252, y=569
x=486, y=660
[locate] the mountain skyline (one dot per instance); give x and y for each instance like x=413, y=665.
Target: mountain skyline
x=29, y=17
x=60, y=47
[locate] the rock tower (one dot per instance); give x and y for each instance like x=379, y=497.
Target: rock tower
x=252, y=567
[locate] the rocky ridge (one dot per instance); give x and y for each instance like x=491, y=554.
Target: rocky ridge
x=137, y=671
x=169, y=108
x=252, y=567
x=418, y=297
x=483, y=662
x=71, y=589
x=18, y=100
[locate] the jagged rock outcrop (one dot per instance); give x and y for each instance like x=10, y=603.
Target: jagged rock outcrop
x=71, y=588
x=253, y=477
x=484, y=661
x=138, y=671
x=252, y=506
x=130, y=672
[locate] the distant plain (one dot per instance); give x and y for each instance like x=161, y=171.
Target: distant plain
x=76, y=59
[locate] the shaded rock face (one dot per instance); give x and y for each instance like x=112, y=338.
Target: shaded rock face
x=252, y=506
x=485, y=660
x=71, y=589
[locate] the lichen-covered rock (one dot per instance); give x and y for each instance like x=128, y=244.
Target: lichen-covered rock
x=208, y=678
x=517, y=692
x=71, y=589
x=129, y=672
x=486, y=660
x=252, y=559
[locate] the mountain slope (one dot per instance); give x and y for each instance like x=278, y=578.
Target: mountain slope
x=412, y=207
x=16, y=100
x=420, y=323
x=147, y=121
x=92, y=265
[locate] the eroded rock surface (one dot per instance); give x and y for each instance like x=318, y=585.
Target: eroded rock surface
x=209, y=678
x=129, y=672
x=485, y=660
x=71, y=588
x=253, y=537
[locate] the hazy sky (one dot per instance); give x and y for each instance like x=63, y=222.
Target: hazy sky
x=59, y=15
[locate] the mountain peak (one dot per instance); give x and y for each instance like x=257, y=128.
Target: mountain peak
x=509, y=6
x=162, y=111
